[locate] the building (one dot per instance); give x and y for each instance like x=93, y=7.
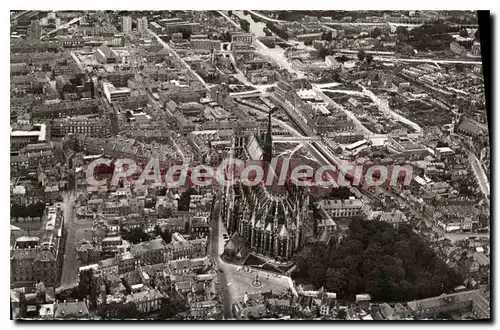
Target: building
x=270, y=218
x=126, y=24
x=476, y=49
x=22, y=136
x=457, y=49
x=65, y=109
x=468, y=301
x=172, y=27
x=403, y=147
x=114, y=94
x=205, y=44
x=39, y=258
x=393, y=217
x=146, y=301
x=185, y=266
x=469, y=128
x=34, y=32
x=110, y=245
x=331, y=62
x=142, y=25
x=150, y=252
x=89, y=126
x=243, y=38
x=196, y=248
x=106, y=55
x=309, y=36
x=155, y=27
x=341, y=208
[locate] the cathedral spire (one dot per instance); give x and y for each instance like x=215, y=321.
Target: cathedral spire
x=268, y=142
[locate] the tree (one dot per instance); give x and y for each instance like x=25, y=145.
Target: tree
x=136, y=235
x=165, y=234
x=327, y=36
x=184, y=201
x=369, y=58
x=342, y=59
x=402, y=33
x=169, y=309
x=227, y=37
x=245, y=25
x=443, y=316
x=376, y=32
x=84, y=282
x=342, y=314
x=119, y=311
x=34, y=210
x=389, y=263
x=186, y=34
x=361, y=54
x=340, y=193
x=322, y=53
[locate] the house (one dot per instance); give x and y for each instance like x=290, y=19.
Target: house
x=146, y=301
x=394, y=217
x=363, y=300
x=182, y=266
x=150, y=252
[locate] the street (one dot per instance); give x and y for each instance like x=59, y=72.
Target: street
x=216, y=249
x=482, y=179
x=174, y=53
x=75, y=230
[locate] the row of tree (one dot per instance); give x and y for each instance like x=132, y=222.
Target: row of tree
x=435, y=37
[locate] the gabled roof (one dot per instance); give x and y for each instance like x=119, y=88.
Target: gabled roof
x=259, y=224
x=45, y=255
x=106, y=51
x=283, y=232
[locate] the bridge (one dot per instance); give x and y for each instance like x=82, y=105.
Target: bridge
x=280, y=138
x=245, y=94
x=265, y=18
x=64, y=26
x=425, y=60
x=16, y=16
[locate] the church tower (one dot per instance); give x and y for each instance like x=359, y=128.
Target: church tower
x=268, y=142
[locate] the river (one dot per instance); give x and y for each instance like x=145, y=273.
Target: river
x=257, y=28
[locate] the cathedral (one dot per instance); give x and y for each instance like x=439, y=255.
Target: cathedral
x=270, y=218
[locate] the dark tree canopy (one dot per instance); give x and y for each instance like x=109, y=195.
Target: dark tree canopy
x=166, y=235
x=369, y=58
x=245, y=25
x=169, y=309
x=327, y=36
x=376, y=32
x=30, y=210
x=391, y=264
x=135, y=235
x=361, y=54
